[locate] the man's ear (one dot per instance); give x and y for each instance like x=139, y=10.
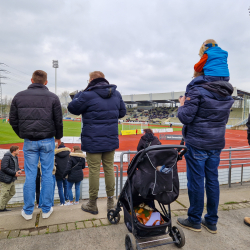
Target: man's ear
x=45, y=83
x=32, y=80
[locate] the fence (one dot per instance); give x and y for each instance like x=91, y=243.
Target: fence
x=234, y=168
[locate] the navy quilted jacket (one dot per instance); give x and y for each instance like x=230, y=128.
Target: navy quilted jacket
x=101, y=106
x=205, y=114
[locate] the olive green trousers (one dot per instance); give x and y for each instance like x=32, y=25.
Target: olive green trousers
x=94, y=162
x=7, y=192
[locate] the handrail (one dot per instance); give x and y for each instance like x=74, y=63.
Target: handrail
x=121, y=166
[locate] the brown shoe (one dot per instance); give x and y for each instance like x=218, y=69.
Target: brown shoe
x=110, y=203
x=90, y=207
x=247, y=221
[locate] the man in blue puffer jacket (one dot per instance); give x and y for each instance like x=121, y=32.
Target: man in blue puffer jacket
x=204, y=111
x=100, y=105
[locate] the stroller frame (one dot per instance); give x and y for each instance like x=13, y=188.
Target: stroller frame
x=131, y=239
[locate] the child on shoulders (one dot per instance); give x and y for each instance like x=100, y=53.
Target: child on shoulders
x=212, y=66
x=213, y=61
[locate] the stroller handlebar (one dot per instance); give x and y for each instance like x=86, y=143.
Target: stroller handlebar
x=180, y=148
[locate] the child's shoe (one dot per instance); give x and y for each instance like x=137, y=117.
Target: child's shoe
x=69, y=204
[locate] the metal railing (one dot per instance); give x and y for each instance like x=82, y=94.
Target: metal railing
x=228, y=171
x=121, y=165
x=243, y=162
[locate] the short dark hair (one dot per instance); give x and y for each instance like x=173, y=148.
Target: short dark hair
x=76, y=148
x=39, y=76
x=13, y=148
x=148, y=131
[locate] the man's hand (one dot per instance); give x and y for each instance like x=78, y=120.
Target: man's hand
x=18, y=173
x=182, y=100
x=58, y=141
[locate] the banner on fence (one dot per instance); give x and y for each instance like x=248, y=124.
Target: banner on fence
x=132, y=132
x=163, y=130
x=170, y=137
x=2, y=152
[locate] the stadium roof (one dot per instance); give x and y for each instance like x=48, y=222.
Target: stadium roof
x=168, y=97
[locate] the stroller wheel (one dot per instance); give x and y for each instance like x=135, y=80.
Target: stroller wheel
x=177, y=231
x=130, y=242
x=113, y=216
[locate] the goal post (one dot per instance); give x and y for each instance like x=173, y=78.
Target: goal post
x=134, y=125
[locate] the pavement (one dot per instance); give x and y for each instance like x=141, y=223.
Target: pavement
x=69, y=227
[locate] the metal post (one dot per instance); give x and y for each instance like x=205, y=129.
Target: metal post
x=121, y=171
x=81, y=190
x=241, y=174
x=116, y=186
x=55, y=82
x=55, y=65
x=230, y=168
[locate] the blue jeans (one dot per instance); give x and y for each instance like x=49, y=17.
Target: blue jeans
x=53, y=193
x=33, y=150
x=77, y=187
x=203, y=164
x=62, y=190
x=65, y=187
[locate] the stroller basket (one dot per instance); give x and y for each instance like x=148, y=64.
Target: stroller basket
x=142, y=230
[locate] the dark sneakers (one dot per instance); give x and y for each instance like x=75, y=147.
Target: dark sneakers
x=210, y=228
x=5, y=210
x=187, y=224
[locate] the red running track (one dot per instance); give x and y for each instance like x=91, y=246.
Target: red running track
x=234, y=139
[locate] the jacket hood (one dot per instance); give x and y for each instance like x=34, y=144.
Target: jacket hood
x=102, y=87
x=77, y=153
x=105, y=92
x=148, y=137
x=62, y=152
x=220, y=87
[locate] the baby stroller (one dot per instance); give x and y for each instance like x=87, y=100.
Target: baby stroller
x=145, y=184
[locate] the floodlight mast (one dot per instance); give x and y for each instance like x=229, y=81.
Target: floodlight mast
x=1, y=92
x=55, y=65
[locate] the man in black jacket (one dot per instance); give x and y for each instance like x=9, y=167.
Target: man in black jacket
x=36, y=117
x=8, y=174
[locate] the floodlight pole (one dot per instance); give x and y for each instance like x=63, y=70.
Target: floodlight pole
x=1, y=92
x=55, y=65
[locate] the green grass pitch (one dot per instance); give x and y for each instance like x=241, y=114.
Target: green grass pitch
x=70, y=128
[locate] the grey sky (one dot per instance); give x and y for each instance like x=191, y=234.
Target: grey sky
x=141, y=46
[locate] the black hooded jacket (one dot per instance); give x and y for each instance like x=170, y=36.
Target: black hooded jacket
x=36, y=113
x=75, y=166
x=8, y=171
x=61, y=161
x=147, y=140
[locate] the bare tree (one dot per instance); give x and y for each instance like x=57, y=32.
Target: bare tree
x=64, y=99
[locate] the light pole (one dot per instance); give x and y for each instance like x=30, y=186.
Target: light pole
x=55, y=65
x=1, y=97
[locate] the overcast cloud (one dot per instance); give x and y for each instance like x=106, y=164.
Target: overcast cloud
x=141, y=46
